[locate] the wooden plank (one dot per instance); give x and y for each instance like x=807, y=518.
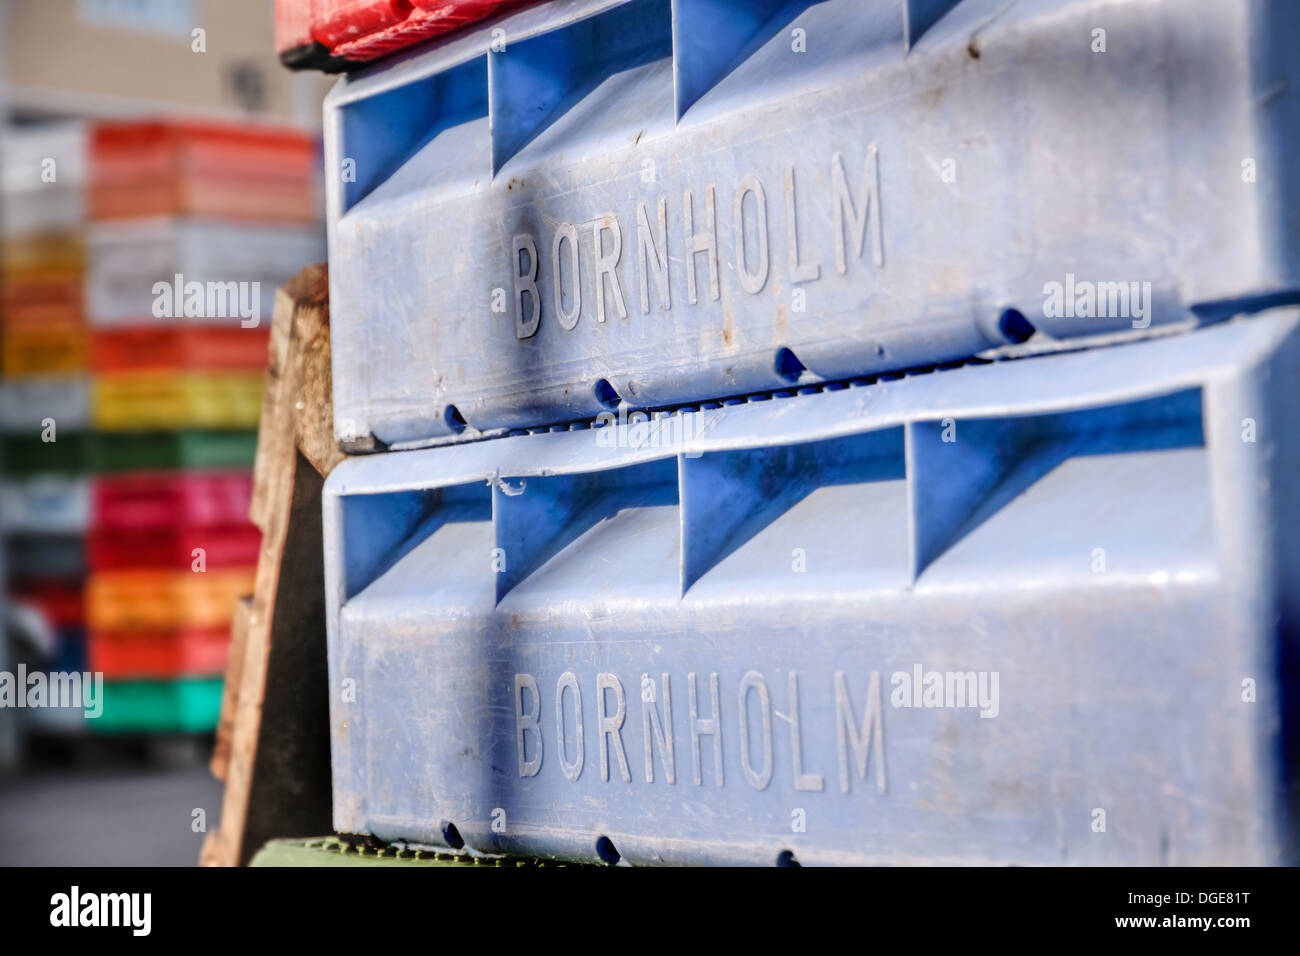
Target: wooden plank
x=273, y=741
x=229, y=691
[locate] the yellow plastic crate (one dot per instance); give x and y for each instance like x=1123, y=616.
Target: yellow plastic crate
x=130, y=401
x=149, y=600
x=43, y=350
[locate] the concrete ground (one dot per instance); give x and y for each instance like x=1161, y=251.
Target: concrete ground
x=116, y=811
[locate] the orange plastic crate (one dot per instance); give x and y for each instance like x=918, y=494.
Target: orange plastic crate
x=55, y=255
x=161, y=600
x=43, y=350
x=28, y=315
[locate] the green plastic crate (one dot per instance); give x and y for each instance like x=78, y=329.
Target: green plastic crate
x=71, y=454
x=192, y=448
x=85, y=453
x=186, y=706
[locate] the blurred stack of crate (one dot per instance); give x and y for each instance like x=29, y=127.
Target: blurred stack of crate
x=194, y=226
x=171, y=551
x=44, y=499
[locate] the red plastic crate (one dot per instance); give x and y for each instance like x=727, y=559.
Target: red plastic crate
x=199, y=347
x=232, y=546
x=61, y=603
x=171, y=500
x=124, y=152
x=308, y=32
x=185, y=168
x=193, y=652
x=293, y=24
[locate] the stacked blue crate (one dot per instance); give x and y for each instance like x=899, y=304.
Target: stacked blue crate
x=821, y=431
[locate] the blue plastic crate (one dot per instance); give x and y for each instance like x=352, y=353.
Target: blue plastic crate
x=1038, y=611
x=659, y=202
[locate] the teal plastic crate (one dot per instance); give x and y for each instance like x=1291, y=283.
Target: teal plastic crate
x=186, y=706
